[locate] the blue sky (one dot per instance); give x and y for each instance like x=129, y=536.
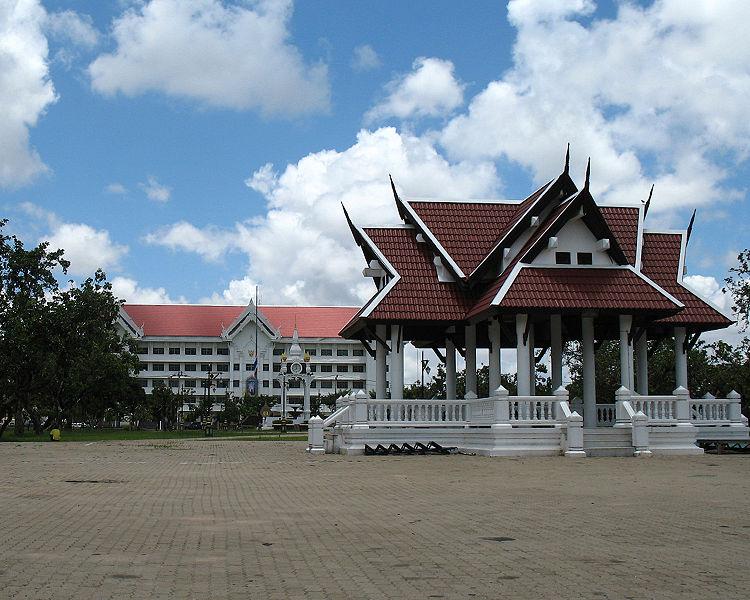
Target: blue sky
x=196, y=149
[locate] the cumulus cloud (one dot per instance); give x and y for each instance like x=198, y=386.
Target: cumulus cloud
x=73, y=27
x=25, y=88
x=429, y=90
x=128, y=289
x=86, y=248
x=155, y=191
x=365, y=58
x=302, y=251
x=116, y=188
x=234, y=56
x=655, y=94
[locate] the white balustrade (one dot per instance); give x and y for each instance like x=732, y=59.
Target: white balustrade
x=715, y=411
x=659, y=409
x=605, y=415
x=532, y=409
x=417, y=412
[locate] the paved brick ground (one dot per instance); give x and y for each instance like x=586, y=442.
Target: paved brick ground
x=230, y=519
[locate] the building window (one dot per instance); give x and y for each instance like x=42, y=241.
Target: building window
x=358, y=352
x=294, y=383
x=313, y=384
x=190, y=383
x=342, y=352
x=222, y=367
x=205, y=366
x=142, y=350
x=222, y=383
x=342, y=368
x=265, y=366
x=236, y=367
x=142, y=366
x=156, y=383
x=326, y=352
x=585, y=258
x=190, y=352
x=266, y=383
x=312, y=352
x=158, y=350
x=562, y=258
x=276, y=368
x=235, y=383
x=190, y=367
x=358, y=368
x=278, y=351
x=222, y=351
x=174, y=366
x=313, y=368
x=276, y=384
x=173, y=350
x=326, y=368
x=326, y=384
x=359, y=384
x=342, y=385
x=207, y=351
x=157, y=366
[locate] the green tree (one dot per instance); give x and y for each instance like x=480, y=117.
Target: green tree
x=738, y=285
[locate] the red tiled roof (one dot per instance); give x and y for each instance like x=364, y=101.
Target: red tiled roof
x=181, y=320
x=661, y=263
x=580, y=288
x=467, y=230
x=418, y=295
x=623, y=221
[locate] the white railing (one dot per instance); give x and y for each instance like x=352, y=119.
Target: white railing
x=532, y=409
x=662, y=409
x=417, y=412
x=605, y=415
x=710, y=410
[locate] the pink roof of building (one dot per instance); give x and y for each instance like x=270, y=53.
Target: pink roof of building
x=190, y=320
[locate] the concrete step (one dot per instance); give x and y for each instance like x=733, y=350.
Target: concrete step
x=607, y=441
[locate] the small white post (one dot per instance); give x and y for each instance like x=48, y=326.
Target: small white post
x=640, y=435
x=469, y=397
x=360, y=410
x=575, y=436
x=502, y=408
x=682, y=411
x=622, y=418
x=315, y=436
x=735, y=407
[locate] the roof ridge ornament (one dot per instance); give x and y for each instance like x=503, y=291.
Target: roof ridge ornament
x=690, y=226
x=648, y=201
x=588, y=175
x=566, y=170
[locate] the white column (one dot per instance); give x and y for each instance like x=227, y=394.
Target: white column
x=589, y=372
x=523, y=368
x=556, y=350
x=532, y=361
x=381, y=352
x=680, y=358
x=641, y=352
x=450, y=370
x=397, y=363
x=470, y=334
x=626, y=365
x=494, y=367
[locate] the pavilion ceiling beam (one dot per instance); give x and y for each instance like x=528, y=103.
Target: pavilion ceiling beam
x=440, y=355
x=541, y=354
x=367, y=346
x=370, y=333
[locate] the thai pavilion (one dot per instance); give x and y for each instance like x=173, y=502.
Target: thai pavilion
x=529, y=275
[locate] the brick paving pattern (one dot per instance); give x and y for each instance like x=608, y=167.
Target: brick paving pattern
x=234, y=519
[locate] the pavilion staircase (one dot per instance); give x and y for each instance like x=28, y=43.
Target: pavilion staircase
x=608, y=441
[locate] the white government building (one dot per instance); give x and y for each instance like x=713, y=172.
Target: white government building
x=235, y=348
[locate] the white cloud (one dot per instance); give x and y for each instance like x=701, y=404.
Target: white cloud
x=365, y=58
x=116, y=188
x=128, y=289
x=226, y=55
x=302, y=251
x=430, y=90
x=156, y=191
x=25, y=88
x=211, y=243
x=655, y=94
x=74, y=27
x=86, y=248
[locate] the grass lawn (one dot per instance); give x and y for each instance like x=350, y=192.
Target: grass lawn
x=103, y=435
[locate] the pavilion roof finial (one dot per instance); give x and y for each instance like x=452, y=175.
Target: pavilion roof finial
x=690, y=226
x=588, y=175
x=648, y=202
x=567, y=160
x=393, y=187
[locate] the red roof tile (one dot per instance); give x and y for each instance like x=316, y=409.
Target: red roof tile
x=467, y=230
x=182, y=320
x=661, y=263
x=418, y=295
x=623, y=221
x=560, y=289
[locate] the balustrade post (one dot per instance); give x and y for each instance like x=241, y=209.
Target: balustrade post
x=360, y=409
x=501, y=408
x=682, y=401
x=315, y=436
x=735, y=407
x=575, y=436
x=469, y=398
x=561, y=395
x=640, y=435
x=622, y=418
